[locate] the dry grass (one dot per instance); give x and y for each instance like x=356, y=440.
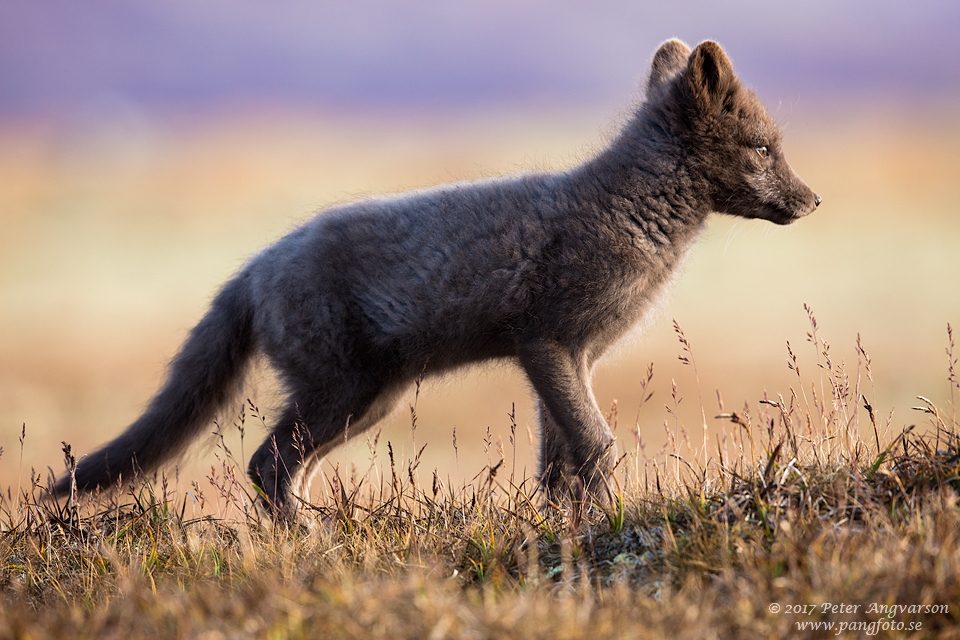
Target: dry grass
x=804, y=501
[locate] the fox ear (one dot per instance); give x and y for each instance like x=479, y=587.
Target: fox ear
x=710, y=74
x=669, y=60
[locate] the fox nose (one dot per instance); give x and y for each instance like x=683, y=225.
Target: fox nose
x=817, y=200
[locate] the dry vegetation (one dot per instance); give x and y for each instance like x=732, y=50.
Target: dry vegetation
x=806, y=499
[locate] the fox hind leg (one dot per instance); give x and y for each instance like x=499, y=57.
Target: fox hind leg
x=282, y=457
x=311, y=425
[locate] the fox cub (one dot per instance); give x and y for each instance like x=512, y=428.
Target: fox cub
x=543, y=269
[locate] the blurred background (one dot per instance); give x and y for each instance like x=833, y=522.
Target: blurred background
x=148, y=149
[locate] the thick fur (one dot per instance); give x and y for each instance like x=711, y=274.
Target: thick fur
x=545, y=269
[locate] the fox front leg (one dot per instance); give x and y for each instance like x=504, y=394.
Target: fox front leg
x=577, y=445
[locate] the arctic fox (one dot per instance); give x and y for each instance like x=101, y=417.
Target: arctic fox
x=544, y=269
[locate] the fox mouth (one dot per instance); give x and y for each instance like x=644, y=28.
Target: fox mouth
x=785, y=217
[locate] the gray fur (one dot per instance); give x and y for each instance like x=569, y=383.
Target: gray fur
x=544, y=269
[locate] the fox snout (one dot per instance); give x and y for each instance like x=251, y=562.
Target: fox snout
x=794, y=200
x=789, y=217
x=780, y=197
x=811, y=205
x=809, y=208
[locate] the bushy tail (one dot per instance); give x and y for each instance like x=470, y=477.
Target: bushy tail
x=202, y=378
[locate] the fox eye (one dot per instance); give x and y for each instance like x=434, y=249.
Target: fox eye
x=763, y=152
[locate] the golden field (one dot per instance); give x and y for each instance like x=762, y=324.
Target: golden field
x=115, y=237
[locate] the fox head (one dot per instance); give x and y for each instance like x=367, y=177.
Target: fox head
x=730, y=144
